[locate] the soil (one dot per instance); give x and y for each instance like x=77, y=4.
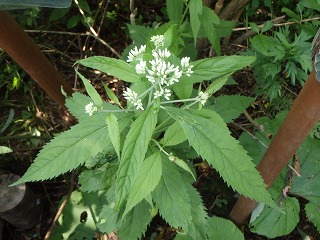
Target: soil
x=35, y=110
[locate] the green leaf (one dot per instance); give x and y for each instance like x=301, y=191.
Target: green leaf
x=313, y=214
x=291, y=14
x=208, y=20
x=134, y=150
x=136, y=222
x=254, y=27
x=139, y=34
x=148, y=178
x=221, y=228
x=217, y=84
x=4, y=149
x=198, y=227
x=109, y=219
x=70, y=149
x=175, y=10
x=210, y=68
x=111, y=94
x=91, y=90
x=114, y=67
x=183, y=89
x=230, y=107
x=264, y=45
x=79, y=217
x=273, y=223
x=212, y=141
x=97, y=179
x=195, y=10
x=173, y=136
x=8, y=121
x=171, y=197
x=307, y=185
x=114, y=132
x=183, y=165
x=76, y=105
x=58, y=13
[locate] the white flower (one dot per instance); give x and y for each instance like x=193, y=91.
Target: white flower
x=165, y=53
x=203, y=97
x=90, y=109
x=136, y=54
x=167, y=94
x=132, y=97
x=186, y=67
x=141, y=67
x=158, y=93
x=158, y=41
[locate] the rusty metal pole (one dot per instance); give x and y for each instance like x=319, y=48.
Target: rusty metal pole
x=26, y=53
x=301, y=118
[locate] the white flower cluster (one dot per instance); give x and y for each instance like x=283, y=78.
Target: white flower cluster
x=203, y=97
x=132, y=97
x=159, y=71
x=136, y=54
x=90, y=109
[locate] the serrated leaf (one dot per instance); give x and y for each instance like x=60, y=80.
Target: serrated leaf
x=198, y=227
x=97, y=179
x=174, y=135
x=148, y=178
x=114, y=132
x=208, y=20
x=171, y=197
x=175, y=10
x=313, y=214
x=111, y=95
x=70, y=149
x=134, y=150
x=91, y=90
x=136, y=222
x=272, y=223
x=221, y=228
x=230, y=107
x=139, y=34
x=114, y=67
x=212, y=141
x=4, y=149
x=210, y=68
x=195, y=10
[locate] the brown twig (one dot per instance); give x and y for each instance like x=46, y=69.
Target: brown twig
x=251, y=33
x=61, y=208
x=218, y=6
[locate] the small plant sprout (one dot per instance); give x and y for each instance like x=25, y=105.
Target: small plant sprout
x=90, y=109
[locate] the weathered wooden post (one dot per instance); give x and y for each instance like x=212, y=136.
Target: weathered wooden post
x=303, y=115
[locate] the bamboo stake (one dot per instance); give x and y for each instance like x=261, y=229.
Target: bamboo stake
x=26, y=53
x=303, y=115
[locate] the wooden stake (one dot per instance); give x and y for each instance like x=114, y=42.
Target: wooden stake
x=303, y=115
x=26, y=53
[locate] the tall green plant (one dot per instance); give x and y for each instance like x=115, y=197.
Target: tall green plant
x=151, y=141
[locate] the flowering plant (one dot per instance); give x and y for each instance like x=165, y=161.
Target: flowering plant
x=141, y=156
